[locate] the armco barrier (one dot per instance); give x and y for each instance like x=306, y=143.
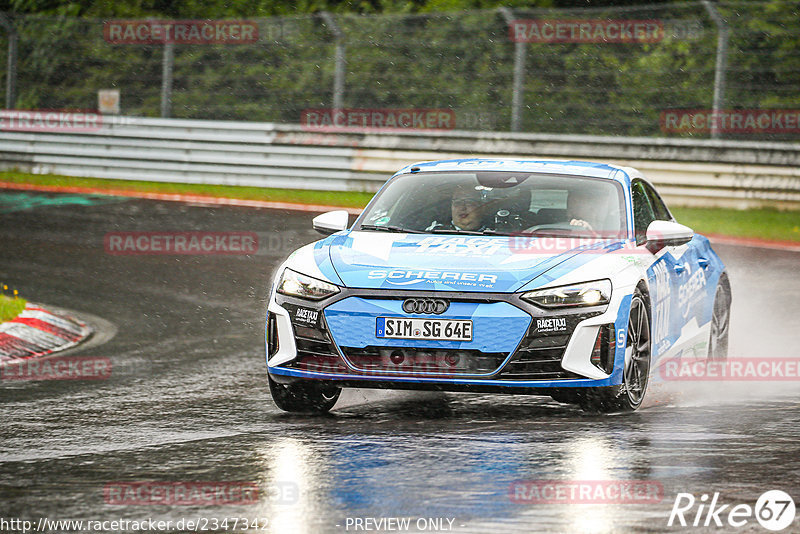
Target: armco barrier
x=689, y=172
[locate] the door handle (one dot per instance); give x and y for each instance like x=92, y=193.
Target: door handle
x=703, y=263
x=679, y=268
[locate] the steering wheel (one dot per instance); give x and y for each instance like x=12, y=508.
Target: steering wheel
x=552, y=226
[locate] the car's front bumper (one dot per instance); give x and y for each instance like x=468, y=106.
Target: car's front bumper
x=334, y=340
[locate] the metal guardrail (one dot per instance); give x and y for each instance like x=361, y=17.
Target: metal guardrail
x=689, y=172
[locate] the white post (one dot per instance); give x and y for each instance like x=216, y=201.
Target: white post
x=519, y=75
x=721, y=65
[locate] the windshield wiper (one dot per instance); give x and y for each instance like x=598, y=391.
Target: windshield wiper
x=442, y=230
x=549, y=232
x=486, y=231
x=389, y=228
x=492, y=231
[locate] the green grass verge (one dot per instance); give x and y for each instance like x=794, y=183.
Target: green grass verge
x=334, y=198
x=760, y=223
x=10, y=307
x=757, y=223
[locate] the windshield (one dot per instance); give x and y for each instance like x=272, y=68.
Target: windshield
x=503, y=203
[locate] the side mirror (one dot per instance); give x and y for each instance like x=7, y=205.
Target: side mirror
x=662, y=234
x=330, y=222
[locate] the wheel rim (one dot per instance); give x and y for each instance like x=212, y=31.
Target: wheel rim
x=719, y=323
x=637, y=352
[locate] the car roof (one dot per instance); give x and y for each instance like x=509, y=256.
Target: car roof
x=622, y=175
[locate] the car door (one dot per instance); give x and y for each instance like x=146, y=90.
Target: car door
x=693, y=267
x=665, y=275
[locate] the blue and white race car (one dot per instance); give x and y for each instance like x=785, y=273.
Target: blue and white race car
x=560, y=278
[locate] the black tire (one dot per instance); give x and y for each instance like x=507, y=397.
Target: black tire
x=304, y=396
x=629, y=395
x=720, y=322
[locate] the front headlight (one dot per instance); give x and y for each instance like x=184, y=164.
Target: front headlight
x=299, y=285
x=596, y=293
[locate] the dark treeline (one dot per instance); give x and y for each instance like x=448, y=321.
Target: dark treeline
x=269, y=8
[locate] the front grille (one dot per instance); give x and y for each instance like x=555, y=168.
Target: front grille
x=423, y=362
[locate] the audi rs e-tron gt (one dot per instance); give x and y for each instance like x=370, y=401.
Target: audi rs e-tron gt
x=561, y=278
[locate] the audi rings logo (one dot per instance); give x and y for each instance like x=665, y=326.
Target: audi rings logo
x=436, y=306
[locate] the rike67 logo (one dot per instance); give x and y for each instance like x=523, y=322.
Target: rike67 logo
x=774, y=510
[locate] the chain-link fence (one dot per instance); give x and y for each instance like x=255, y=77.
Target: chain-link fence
x=609, y=71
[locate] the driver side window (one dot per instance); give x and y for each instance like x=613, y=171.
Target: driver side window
x=659, y=208
x=642, y=212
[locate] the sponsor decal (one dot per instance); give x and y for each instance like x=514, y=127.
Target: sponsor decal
x=774, y=510
x=552, y=324
x=659, y=293
x=50, y=120
x=403, y=277
x=146, y=32
x=461, y=246
x=586, y=31
x=401, y=119
x=731, y=121
x=228, y=243
x=622, y=337
x=586, y=491
x=691, y=291
x=307, y=316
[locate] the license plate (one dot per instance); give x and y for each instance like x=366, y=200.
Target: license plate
x=433, y=329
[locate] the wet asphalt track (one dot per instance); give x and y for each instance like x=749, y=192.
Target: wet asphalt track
x=188, y=399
